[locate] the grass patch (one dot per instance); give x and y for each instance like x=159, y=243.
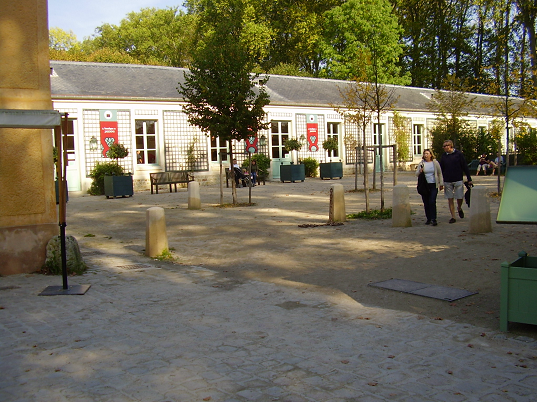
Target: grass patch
x=166, y=255
x=361, y=190
x=372, y=214
x=239, y=204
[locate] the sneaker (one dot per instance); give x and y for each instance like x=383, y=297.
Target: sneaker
x=435, y=223
x=428, y=222
x=452, y=220
x=461, y=213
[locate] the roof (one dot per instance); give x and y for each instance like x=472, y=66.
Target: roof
x=106, y=81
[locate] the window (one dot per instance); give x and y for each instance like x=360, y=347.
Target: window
x=69, y=141
x=332, y=131
x=217, y=148
x=146, y=142
x=378, y=130
x=417, y=138
x=279, y=133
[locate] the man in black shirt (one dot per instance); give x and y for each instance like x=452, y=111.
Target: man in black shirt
x=454, y=166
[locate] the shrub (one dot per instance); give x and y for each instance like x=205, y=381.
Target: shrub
x=117, y=151
x=97, y=175
x=292, y=145
x=310, y=166
x=263, y=164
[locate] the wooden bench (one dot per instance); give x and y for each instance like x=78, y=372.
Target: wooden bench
x=169, y=178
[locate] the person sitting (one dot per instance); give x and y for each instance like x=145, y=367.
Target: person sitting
x=239, y=174
x=483, y=164
x=493, y=166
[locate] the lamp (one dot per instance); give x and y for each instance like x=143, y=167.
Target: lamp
x=93, y=144
x=263, y=141
x=302, y=139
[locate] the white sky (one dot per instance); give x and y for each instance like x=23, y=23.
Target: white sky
x=83, y=16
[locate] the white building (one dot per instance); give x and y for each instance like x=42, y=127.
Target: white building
x=142, y=107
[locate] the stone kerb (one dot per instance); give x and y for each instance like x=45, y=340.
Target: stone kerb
x=401, y=206
x=156, y=239
x=480, y=219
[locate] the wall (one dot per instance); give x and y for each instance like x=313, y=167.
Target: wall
x=28, y=210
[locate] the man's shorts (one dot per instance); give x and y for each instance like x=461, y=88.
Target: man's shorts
x=454, y=189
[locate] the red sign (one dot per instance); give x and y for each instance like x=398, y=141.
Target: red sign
x=313, y=132
x=251, y=144
x=108, y=124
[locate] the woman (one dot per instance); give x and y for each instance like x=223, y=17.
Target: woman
x=433, y=174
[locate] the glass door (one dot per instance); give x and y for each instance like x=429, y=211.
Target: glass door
x=279, y=135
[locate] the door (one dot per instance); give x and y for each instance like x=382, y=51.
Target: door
x=279, y=135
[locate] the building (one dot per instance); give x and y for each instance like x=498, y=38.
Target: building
x=140, y=107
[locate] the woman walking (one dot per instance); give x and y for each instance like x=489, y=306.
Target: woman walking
x=433, y=174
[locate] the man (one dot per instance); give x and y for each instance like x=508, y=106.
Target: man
x=454, y=166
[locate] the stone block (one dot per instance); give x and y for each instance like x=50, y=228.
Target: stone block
x=53, y=262
x=337, y=204
x=401, y=207
x=156, y=239
x=480, y=219
x=194, y=200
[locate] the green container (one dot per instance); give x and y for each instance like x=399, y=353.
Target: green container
x=292, y=173
x=518, y=301
x=118, y=186
x=331, y=170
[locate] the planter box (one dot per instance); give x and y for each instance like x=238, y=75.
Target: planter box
x=518, y=300
x=331, y=170
x=118, y=186
x=292, y=173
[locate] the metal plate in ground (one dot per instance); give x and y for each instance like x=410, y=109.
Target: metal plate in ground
x=73, y=290
x=423, y=289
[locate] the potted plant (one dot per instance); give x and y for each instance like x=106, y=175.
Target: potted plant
x=292, y=172
x=332, y=169
x=118, y=185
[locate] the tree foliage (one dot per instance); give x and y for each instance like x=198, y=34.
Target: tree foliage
x=224, y=98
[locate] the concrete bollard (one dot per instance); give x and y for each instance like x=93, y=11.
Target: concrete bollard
x=156, y=239
x=401, y=207
x=337, y=204
x=194, y=200
x=480, y=220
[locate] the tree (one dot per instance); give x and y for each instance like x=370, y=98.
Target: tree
x=151, y=36
x=356, y=108
x=402, y=136
x=451, y=107
x=58, y=39
x=224, y=98
x=358, y=29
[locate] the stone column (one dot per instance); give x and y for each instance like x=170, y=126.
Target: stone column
x=28, y=212
x=194, y=200
x=401, y=207
x=156, y=239
x=337, y=204
x=480, y=220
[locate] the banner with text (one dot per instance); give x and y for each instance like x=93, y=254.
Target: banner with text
x=108, y=124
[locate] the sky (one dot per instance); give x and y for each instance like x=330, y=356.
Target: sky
x=83, y=16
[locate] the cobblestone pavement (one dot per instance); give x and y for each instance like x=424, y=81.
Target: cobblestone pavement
x=152, y=331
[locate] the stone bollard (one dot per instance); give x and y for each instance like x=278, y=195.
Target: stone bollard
x=401, y=207
x=156, y=240
x=480, y=220
x=194, y=200
x=337, y=204
x=74, y=260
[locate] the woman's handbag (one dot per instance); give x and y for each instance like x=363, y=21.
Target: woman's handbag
x=423, y=188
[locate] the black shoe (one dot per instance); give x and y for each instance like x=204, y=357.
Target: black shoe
x=428, y=222
x=461, y=213
x=452, y=220
x=435, y=223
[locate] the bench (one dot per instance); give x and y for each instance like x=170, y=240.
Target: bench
x=259, y=178
x=169, y=178
x=472, y=166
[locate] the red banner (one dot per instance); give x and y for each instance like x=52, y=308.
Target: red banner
x=251, y=144
x=108, y=124
x=313, y=132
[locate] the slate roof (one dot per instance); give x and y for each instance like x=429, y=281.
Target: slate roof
x=81, y=80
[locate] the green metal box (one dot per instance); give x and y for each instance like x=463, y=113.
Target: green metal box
x=518, y=300
x=292, y=173
x=331, y=170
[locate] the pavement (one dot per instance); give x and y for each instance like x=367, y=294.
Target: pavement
x=151, y=330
